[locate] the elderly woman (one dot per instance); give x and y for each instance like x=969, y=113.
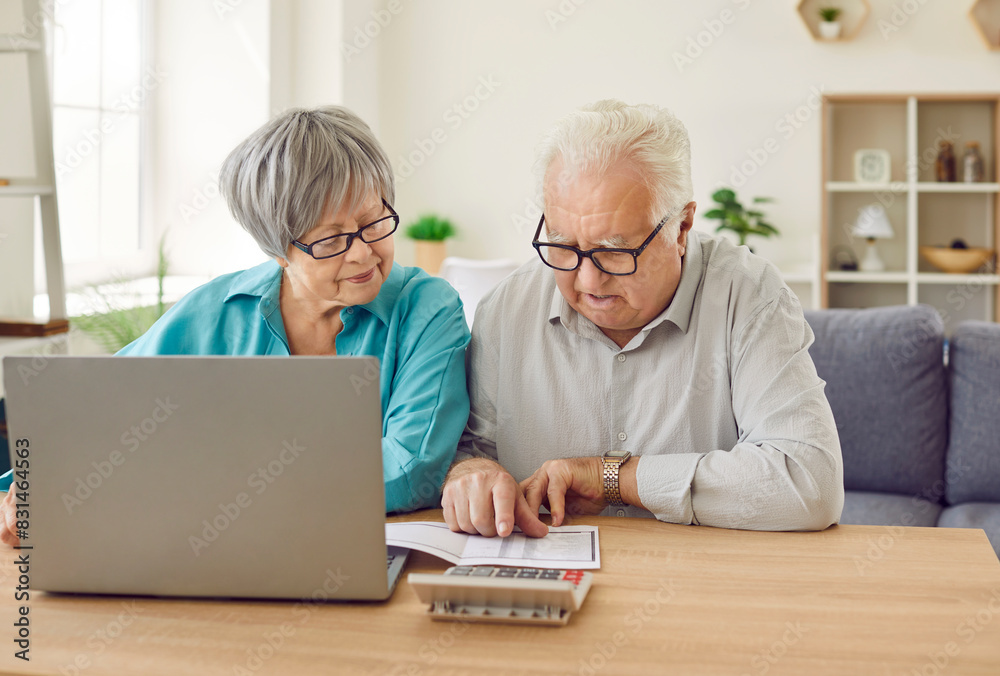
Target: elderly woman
x=315, y=190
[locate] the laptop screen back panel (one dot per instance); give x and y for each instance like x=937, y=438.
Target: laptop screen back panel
x=203, y=476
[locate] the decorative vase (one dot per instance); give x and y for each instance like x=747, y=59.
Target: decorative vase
x=944, y=167
x=829, y=30
x=430, y=255
x=972, y=163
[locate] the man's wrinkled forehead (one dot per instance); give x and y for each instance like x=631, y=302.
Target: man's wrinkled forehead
x=562, y=176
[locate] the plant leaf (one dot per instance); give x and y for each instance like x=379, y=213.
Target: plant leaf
x=724, y=195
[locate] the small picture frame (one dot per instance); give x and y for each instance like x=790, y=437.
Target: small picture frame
x=872, y=165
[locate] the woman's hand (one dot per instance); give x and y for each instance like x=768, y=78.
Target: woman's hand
x=8, y=520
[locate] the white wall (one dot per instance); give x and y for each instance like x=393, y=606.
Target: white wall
x=215, y=92
x=761, y=66
x=231, y=65
x=404, y=65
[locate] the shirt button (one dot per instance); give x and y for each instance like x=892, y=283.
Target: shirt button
x=622, y=357
x=622, y=436
x=620, y=512
x=350, y=311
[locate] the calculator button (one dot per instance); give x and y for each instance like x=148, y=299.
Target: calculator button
x=550, y=575
x=530, y=570
x=482, y=571
x=526, y=573
x=506, y=572
x=460, y=570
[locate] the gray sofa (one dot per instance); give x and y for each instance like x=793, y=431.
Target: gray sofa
x=918, y=415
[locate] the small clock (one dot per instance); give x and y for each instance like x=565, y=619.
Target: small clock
x=872, y=166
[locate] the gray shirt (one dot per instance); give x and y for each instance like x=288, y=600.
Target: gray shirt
x=717, y=396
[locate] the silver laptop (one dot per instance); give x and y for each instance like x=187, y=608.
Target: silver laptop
x=204, y=476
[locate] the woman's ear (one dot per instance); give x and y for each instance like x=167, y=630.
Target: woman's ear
x=281, y=261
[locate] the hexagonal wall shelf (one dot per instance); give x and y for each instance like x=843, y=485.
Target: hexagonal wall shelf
x=985, y=16
x=853, y=15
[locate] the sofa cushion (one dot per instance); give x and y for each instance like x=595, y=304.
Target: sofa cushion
x=974, y=446
x=884, y=509
x=887, y=386
x=975, y=515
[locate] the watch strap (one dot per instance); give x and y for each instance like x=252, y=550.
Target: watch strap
x=612, y=491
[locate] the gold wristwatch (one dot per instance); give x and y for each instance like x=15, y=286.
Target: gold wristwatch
x=612, y=461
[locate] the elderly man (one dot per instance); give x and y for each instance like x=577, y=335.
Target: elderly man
x=638, y=367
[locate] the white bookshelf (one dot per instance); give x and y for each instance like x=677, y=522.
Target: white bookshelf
x=26, y=190
x=921, y=210
x=26, y=82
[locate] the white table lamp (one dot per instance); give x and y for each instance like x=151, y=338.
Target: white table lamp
x=873, y=223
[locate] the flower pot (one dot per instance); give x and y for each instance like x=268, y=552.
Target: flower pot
x=829, y=30
x=430, y=255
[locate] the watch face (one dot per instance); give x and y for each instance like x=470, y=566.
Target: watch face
x=617, y=454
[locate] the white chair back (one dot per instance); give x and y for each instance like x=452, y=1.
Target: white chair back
x=473, y=278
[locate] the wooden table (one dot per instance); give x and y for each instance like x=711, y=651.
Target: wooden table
x=668, y=599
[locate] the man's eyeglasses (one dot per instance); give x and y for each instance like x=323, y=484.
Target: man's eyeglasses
x=619, y=262
x=328, y=247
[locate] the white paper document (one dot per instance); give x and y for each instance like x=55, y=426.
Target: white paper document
x=574, y=547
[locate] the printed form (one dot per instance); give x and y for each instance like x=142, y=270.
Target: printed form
x=564, y=547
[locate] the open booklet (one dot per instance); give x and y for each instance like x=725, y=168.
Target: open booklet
x=564, y=547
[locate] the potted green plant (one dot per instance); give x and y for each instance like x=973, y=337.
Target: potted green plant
x=733, y=216
x=829, y=27
x=113, y=324
x=430, y=232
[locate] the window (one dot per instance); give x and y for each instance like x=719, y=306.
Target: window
x=101, y=87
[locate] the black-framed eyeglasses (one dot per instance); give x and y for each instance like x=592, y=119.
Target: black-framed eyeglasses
x=328, y=247
x=619, y=262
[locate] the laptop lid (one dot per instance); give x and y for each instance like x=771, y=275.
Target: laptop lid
x=203, y=476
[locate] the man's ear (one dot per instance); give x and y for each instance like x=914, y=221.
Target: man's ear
x=687, y=222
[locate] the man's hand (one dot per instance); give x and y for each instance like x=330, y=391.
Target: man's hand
x=8, y=520
x=574, y=485
x=480, y=496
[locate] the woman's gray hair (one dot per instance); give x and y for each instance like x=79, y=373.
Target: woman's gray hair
x=281, y=179
x=646, y=138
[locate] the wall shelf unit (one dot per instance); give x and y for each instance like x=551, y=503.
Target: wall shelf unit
x=985, y=16
x=853, y=15
x=920, y=210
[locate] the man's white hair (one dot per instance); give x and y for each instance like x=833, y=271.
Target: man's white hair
x=645, y=138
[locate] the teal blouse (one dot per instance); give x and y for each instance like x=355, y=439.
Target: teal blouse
x=415, y=327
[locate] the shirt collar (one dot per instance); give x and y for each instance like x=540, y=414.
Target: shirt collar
x=682, y=304
x=264, y=282
x=260, y=281
x=678, y=312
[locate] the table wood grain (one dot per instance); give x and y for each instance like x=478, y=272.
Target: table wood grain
x=668, y=599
